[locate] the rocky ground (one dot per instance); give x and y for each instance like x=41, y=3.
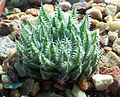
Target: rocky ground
x=105, y=19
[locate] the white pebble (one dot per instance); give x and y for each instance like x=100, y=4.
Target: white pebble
x=102, y=82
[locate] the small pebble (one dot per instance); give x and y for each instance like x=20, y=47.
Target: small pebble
x=102, y=26
x=16, y=10
x=100, y=6
x=65, y=5
x=32, y=11
x=116, y=45
x=1, y=70
x=104, y=40
x=113, y=25
x=113, y=2
x=83, y=83
x=108, y=18
x=49, y=8
x=112, y=35
x=27, y=86
x=35, y=89
x=113, y=59
x=6, y=44
x=95, y=13
x=117, y=16
x=81, y=6
x=94, y=23
x=111, y=10
x=1, y=86
x=13, y=76
x=5, y=79
x=15, y=93
x=59, y=87
x=47, y=85
x=102, y=82
x=107, y=49
x=77, y=92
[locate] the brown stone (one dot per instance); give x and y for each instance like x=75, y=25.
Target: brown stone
x=35, y=89
x=117, y=16
x=110, y=58
x=83, y=83
x=15, y=93
x=47, y=85
x=81, y=6
x=113, y=35
x=27, y=86
x=5, y=28
x=116, y=45
x=59, y=87
x=102, y=26
x=107, y=48
x=112, y=69
x=94, y=23
x=65, y=5
x=115, y=72
x=100, y=6
x=32, y=11
x=49, y=8
x=113, y=25
x=113, y=59
x=95, y=13
x=102, y=69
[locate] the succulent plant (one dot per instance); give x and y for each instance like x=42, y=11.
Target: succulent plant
x=58, y=46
